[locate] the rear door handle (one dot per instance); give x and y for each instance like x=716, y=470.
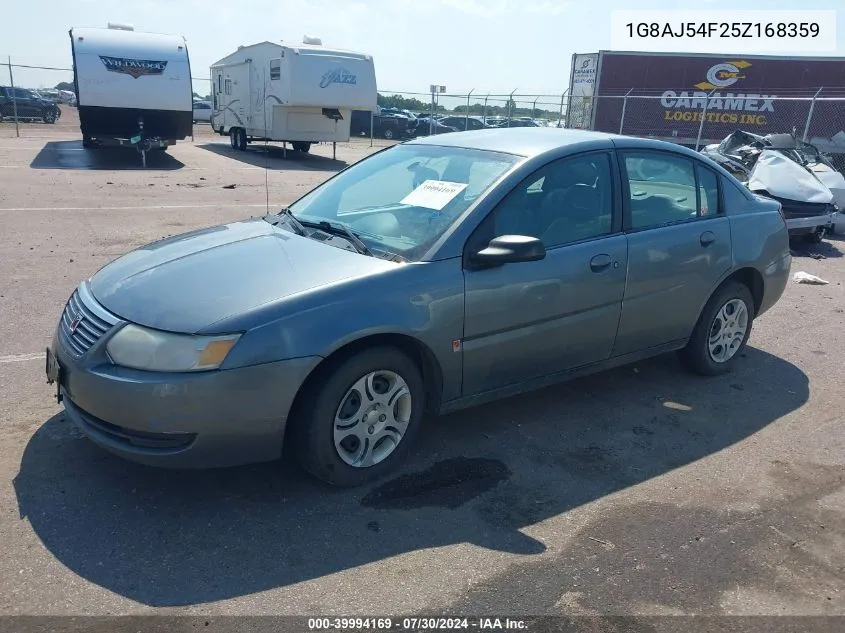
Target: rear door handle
x=707, y=238
x=600, y=263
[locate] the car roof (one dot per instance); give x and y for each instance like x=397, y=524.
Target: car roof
x=534, y=141
x=521, y=141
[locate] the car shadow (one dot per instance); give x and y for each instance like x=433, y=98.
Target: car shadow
x=176, y=538
x=826, y=249
x=71, y=155
x=275, y=157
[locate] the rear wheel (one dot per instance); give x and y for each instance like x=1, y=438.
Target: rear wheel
x=49, y=116
x=388, y=134
x=359, y=420
x=722, y=331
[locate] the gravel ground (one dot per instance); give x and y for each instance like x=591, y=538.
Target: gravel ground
x=639, y=491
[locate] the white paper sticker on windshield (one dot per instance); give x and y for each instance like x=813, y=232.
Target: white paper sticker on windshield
x=434, y=194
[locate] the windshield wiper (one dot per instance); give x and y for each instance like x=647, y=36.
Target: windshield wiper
x=336, y=228
x=300, y=228
x=291, y=220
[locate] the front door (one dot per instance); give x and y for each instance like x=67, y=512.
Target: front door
x=679, y=247
x=526, y=320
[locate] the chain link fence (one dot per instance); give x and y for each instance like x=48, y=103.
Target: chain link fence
x=696, y=121
x=401, y=114
x=702, y=120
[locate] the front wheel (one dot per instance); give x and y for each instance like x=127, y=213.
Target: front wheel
x=359, y=421
x=816, y=236
x=388, y=134
x=49, y=116
x=722, y=331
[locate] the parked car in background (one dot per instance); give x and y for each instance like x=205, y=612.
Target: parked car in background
x=202, y=111
x=794, y=173
x=28, y=105
x=427, y=126
x=463, y=123
x=380, y=297
x=384, y=125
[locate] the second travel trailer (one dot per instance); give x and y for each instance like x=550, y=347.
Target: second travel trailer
x=132, y=88
x=294, y=93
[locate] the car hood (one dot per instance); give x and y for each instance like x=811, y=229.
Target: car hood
x=188, y=282
x=833, y=180
x=784, y=178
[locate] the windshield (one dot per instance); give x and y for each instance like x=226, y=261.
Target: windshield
x=403, y=199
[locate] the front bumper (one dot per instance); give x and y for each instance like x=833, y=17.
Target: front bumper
x=179, y=420
x=812, y=222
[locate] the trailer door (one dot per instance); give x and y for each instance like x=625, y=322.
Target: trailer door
x=233, y=99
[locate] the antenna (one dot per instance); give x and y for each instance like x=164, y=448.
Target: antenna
x=266, y=147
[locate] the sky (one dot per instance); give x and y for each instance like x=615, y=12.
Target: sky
x=488, y=46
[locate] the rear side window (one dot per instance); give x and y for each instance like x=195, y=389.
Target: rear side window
x=735, y=199
x=708, y=193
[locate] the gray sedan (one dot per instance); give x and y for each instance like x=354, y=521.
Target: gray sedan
x=434, y=275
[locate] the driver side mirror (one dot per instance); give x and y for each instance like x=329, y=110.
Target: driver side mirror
x=510, y=249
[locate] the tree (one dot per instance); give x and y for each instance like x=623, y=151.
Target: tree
x=64, y=85
x=406, y=103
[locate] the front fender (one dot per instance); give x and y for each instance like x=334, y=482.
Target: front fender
x=423, y=301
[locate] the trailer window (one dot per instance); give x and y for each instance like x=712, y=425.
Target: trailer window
x=275, y=69
x=219, y=83
x=228, y=86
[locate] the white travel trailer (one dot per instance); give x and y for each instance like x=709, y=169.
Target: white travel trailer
x=294, y=93
x=132, y=88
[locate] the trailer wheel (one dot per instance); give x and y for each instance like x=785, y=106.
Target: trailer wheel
x=242, y=139
x=233, y=137
x=302, y=146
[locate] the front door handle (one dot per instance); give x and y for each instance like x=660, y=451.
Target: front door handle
x=707, y=238
x=600, y=263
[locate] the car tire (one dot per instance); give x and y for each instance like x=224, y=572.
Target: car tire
x=321, y=447
x=241, y=139
x=388, y=134
x=713, y=358
x=49, y=116
x=816, y=236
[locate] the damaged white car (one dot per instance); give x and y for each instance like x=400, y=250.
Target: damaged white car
x=779, y=166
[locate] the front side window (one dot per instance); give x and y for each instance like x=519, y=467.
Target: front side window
x=405, y=198
x=661, y=189
x=566, y=201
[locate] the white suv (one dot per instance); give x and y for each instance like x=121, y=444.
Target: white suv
x=202, y=111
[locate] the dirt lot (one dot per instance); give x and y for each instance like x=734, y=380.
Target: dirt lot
x=639, y=491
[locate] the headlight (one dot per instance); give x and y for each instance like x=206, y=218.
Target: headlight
x=140, y=348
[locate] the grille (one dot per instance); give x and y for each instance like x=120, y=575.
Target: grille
x=93, y=321
x=795, y=209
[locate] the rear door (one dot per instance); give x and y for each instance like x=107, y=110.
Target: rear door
x=26, y=105
x=679, y=246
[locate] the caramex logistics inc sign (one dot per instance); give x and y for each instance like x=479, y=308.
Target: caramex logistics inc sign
x=721, y=107
x=668, y=92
